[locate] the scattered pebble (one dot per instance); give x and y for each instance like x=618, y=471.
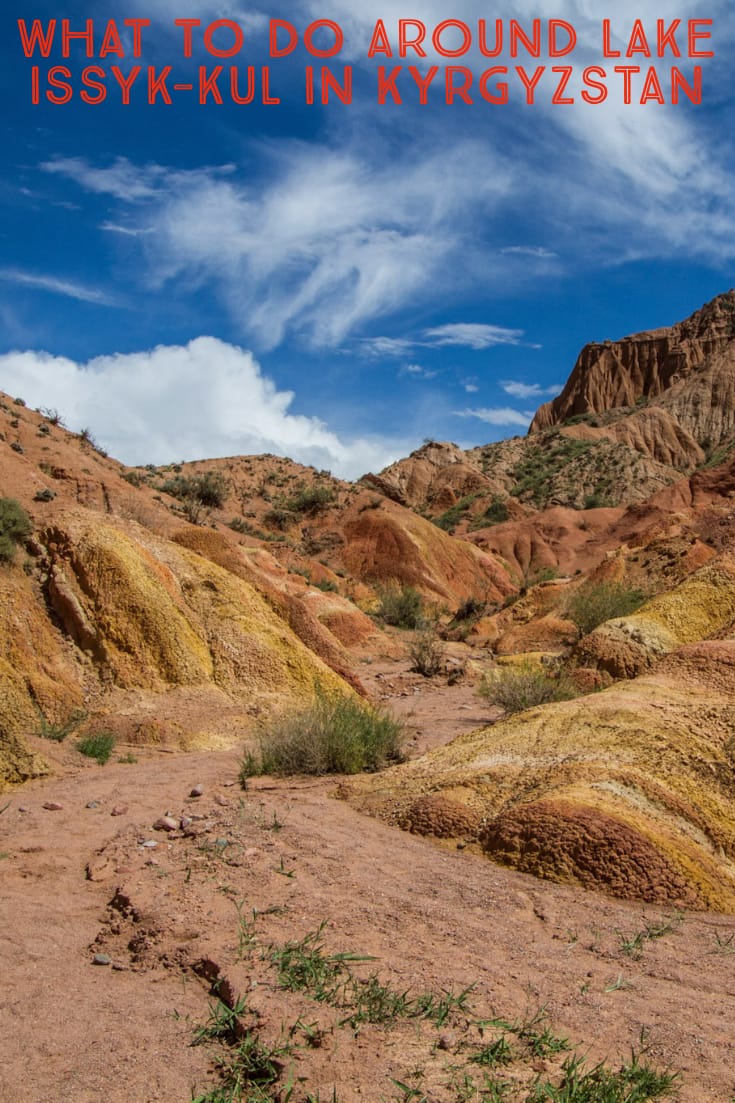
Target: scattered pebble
x=52, y=806
x=102, y=959
x=221, y=801
x=184, y=822
x=119, y=810
x=23, y=808
x=149, y=844
x=197, y=791
x=92, y=804
x=166, y=823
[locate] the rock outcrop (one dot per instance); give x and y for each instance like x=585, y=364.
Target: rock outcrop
x=676, y=387
x=629, y=790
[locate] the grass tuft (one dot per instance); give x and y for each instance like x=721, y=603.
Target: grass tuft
x=515, y=688
x=98, y=746
x=332, y=735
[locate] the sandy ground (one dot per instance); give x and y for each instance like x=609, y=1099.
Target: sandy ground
x=259, y=868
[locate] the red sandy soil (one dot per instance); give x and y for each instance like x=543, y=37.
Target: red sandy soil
x=77, y=881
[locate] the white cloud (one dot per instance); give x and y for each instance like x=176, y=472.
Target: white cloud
x=537, y=251
x=204, y=399
x=55, y=286
x=497, y=415
x=327, y=242
x=528, y=390
x=126, y=231
x=471, y=388
x=385, y=346
x=418, y=372
x=474, y=336
x=126, y=181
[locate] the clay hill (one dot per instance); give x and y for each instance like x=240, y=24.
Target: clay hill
x=178, y=609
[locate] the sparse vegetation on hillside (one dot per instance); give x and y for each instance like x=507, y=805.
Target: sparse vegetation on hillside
x=400, y=605
x=516, y=688
x=449, y=520
x=596, y=602
x=332, y=735
x=198, y=494
x=15, y=527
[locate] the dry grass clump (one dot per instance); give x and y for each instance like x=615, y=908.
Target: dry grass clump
x=596, y=602
x=331, y=735
x=515, y=688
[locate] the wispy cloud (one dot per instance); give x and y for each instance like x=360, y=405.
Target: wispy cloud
x=206, y=398
x=528, y=390
x=57, y=286
x=497, y=415
x=323, y=244
x=537, y=251
x=385, y=346
x=473, y=335
x=416, y=371
x=126, y=181
x=126, y=231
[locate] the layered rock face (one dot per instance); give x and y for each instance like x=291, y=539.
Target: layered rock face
x=685, y=374
x=628, y=790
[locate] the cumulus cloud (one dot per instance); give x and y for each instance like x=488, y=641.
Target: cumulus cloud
x=497, y=415
x=204, y=399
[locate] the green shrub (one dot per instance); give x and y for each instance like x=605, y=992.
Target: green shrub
x=332, y=735
x=425, y=650
x=596, y=602
x=496, y=512
x=515, y=688
x=98, y=746
x=400, y=605
x=198, y=494
x=15, y=527
x=311, y=500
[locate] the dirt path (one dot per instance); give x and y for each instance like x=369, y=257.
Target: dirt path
x=76, y=1031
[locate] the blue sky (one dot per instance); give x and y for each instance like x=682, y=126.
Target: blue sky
x=337, y=283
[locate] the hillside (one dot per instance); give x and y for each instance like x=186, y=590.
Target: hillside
x=176, y=611
x=634, y=415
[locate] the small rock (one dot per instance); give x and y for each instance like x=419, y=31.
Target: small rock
x=184, y=822
x=197, y=791
x=102, y=959
x=52, y=806
x=221, y=801
x=119, y=810
x=92, y=804
x=166, y=823
x=23, y=808
x=119, y=967
x=149, y=844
